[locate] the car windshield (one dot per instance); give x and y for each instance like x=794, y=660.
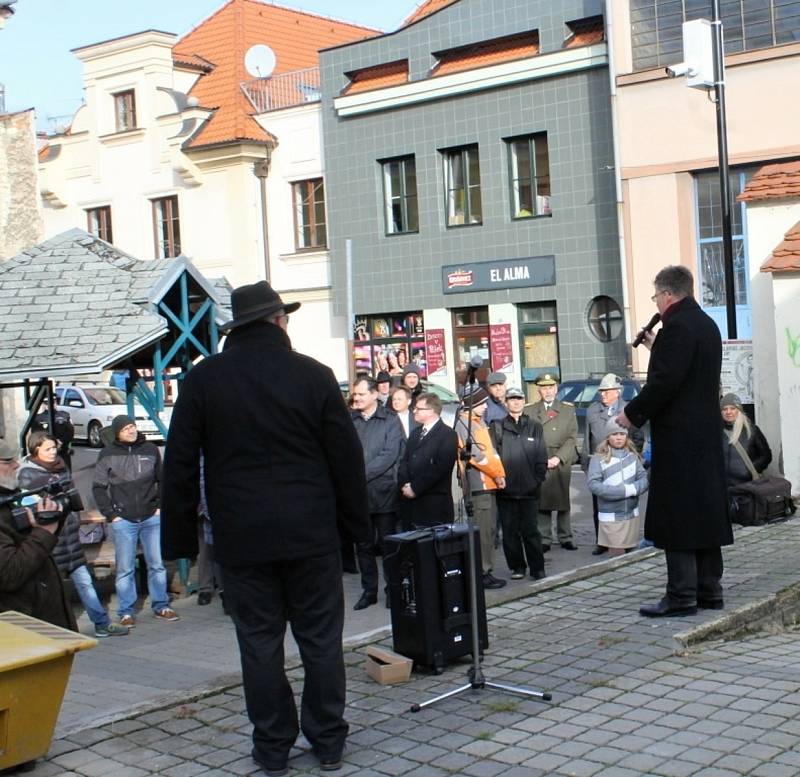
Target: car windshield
x=444, y=394
x=105, y=396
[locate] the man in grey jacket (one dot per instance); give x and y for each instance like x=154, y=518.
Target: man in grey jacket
x=609, y=404
x=382, y=439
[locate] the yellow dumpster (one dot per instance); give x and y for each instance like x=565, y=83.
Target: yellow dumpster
x=35, y=659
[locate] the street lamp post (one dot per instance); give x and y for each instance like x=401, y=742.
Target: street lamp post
x=724, y=177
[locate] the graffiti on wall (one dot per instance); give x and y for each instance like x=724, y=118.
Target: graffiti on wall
x=793, y=347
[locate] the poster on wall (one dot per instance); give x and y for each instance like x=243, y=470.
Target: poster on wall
x=736, y=376
x=435, y=353
x=500, y=347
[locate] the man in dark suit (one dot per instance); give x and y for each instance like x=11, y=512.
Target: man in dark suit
x=426, y=469
x=283, y=467
x=687, y=512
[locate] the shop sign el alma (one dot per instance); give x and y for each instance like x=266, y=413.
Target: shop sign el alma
x=500, y=274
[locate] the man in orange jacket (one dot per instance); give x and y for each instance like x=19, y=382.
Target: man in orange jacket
x=484, y=475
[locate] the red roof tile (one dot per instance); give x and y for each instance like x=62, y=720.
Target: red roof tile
x=773, y=182
x=426, y=9
x=786, y=257
x=377, y=77
x=224, y=38
x=489, y=52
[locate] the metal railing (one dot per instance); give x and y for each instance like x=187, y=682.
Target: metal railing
x=284, y=90
x=2, y=98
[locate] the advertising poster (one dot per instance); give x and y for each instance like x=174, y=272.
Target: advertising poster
x=737, y=369
x=435, y=353
x=501, y=348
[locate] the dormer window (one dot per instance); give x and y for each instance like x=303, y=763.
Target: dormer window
x=125, y=110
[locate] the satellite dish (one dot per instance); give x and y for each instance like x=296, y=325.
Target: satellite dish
x=260, y=61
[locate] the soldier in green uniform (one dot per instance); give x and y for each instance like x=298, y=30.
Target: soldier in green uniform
x=560, y=436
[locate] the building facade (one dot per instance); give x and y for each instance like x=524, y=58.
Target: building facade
x=471, y=201
x=667, y=143
x=209, y=145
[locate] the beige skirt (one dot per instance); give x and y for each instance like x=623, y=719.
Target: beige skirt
x=619, y=534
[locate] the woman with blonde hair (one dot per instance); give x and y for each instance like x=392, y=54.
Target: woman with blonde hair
x=617, y=478
x=745, y=448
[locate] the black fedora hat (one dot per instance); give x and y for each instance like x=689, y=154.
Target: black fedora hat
x=254, y=301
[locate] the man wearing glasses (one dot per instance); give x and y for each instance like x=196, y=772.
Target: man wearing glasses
x=426, y=468
x=687, y=507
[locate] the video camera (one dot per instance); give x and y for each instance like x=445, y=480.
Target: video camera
x=65, y=496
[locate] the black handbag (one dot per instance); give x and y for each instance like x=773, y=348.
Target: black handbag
x=762, y=500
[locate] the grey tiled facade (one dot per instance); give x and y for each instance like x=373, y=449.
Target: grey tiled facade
x=403, y=272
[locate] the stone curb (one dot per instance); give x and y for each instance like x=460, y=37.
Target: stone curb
x=232, y=680
x=778, y=611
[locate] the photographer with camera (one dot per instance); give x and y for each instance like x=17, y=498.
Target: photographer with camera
x=29, y=579
x=44, y=467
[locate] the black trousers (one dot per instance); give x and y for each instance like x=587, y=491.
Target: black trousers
x=596, y=522
x=306, y=593
x=383, y=524
x=521, y=537
x=693, y=575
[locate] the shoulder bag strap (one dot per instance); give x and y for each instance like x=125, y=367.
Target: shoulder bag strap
x=745, y=458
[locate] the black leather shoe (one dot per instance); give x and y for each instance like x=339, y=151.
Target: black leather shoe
x=365, y=601
x=271, y=770
x=330, y=765
x=706, y=604
x=569, y=545
x=538, y=575
x=545, y=547
x=665, y=608
x=204, y=597
x=599, y=550
x=490, y=582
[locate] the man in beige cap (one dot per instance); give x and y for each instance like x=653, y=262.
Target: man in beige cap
x=560, y=436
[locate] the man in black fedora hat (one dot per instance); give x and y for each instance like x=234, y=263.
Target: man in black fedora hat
x=282, y=464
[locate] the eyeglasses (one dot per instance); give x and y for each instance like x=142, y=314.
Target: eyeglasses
x=658, y=294
x=421, y=407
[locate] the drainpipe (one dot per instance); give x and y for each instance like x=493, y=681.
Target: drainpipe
x=261, y=170
x=623, y=261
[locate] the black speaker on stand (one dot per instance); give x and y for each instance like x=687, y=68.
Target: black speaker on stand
x=429, y=582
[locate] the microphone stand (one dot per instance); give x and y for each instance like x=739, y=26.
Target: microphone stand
x=475, y=677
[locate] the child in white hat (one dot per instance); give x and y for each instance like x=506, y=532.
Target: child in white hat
x=617, y=478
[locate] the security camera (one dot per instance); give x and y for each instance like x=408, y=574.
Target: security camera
x=681, y=69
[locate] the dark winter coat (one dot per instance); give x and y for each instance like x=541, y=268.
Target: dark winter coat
x=755, y=446
x=127, y=480
x=427, y=465
x=29, y=579
x=560, y=427
x=282, y=459
x=495, y=410
x=687, y=507
x=383, y=441
x=68, y=552
x=521, y=447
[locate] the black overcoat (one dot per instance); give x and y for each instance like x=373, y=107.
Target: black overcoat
x=383, y=441
x=282, y=459
x=428, y=465
x=686, y=508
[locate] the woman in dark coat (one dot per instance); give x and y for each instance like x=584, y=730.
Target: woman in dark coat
x=738, y=428
x=44, y=466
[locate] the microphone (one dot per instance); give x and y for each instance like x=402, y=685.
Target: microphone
x=648, y=328
x=475, y=363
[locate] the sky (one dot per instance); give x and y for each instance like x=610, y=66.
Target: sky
x=39, y=71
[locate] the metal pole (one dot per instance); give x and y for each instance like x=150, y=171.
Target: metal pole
x=351, y=370
x=724, y=178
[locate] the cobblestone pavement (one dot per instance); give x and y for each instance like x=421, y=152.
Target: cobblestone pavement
x=124, y=674
x=623, y=703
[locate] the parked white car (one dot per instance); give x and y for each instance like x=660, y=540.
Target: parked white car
x=92, y=408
